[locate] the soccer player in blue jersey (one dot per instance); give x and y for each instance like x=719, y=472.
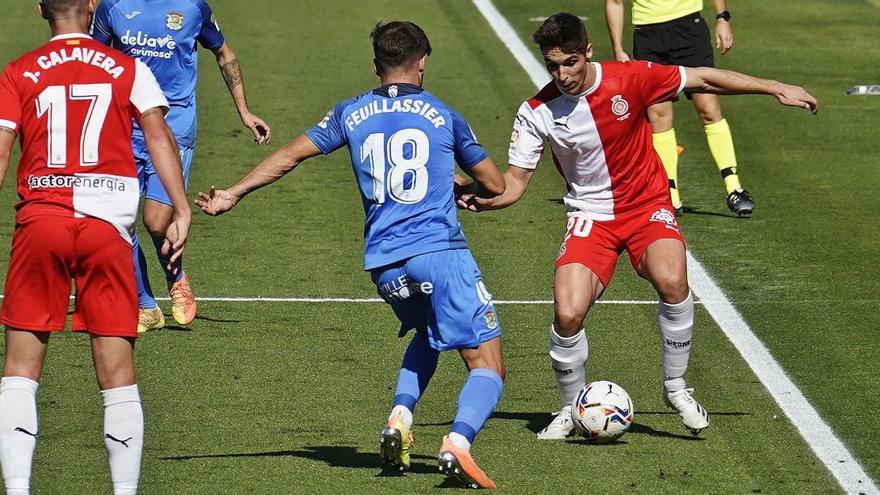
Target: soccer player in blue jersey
x=404, y=144
x=164, y=35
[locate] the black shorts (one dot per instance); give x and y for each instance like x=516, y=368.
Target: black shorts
x=684, y=41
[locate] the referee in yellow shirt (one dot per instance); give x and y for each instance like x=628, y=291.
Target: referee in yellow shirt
x=673, y=32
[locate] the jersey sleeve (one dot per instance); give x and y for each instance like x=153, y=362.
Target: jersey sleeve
x=660, y=82
x=329, y=134
x=10, y=104
x=102, y=27
x=146, y=93
x=527, y=139
x=468, y=151
x=210, y=36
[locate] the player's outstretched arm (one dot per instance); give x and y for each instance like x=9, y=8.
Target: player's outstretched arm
x=7, y=141
x=488, y=181
x=231, y=71
x=726, y=82
x=614, y=19
x=516, y=180
x=166, y=160
x=275, y=166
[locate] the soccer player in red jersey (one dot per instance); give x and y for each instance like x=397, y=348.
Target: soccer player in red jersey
x=72, y=103
x=593, y=118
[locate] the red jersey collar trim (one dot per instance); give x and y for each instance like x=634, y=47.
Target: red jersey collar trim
x=70, y=36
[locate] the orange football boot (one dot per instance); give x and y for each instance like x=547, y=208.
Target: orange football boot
x=458, y=464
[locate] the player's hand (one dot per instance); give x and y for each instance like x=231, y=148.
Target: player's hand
x=621, y=56
x=472, y=202
x=796, y=96
x=260, y=129
x=175, y=241
x=723, y=36
x=216, y=201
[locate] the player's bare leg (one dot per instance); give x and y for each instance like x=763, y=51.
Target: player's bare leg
x=476, y=402
x=721, y=146
x=123, y=414
x=576, y=288
x=664, y=264
x=25, y=354
x=157, y=218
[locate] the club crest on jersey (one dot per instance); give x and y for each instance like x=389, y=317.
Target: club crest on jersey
x=392, y=91
x=491, y=321
x=174, y=21
x=514, y=137
x=620, y=107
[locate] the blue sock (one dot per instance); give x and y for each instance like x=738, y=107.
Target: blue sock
x=419, y=364
x=145, y=292
x=163, y=261
x=476, y=402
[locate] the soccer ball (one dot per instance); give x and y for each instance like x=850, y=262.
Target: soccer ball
x=602, y=411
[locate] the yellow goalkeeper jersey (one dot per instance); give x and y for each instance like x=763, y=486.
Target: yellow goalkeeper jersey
x=654, y=11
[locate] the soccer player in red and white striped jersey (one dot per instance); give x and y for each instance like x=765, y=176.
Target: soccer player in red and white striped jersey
x=593, y=118
x=71, y=102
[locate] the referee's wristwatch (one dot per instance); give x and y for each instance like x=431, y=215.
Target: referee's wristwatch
x=723, y=16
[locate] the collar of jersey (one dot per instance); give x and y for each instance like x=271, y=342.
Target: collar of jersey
x=403, y=89
x=589, y=90
x=69, y=36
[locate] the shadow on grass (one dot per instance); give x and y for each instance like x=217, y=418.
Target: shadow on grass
x=333, y=455
x=535, y=421
x=216, y=320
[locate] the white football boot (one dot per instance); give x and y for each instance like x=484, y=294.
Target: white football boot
x=560, y=428
x=694, y=417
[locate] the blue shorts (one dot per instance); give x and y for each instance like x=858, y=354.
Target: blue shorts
x=441, y=293
x=151, y=187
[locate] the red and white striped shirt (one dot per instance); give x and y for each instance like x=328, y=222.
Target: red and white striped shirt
x=72, y=101
x=600, y=140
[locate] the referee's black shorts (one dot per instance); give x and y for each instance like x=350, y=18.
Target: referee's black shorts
x=684, y=41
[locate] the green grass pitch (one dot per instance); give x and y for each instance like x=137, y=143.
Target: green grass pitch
x=290, y=398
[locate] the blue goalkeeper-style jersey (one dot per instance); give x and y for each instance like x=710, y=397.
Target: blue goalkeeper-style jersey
x=163, y=34
x=404, y=144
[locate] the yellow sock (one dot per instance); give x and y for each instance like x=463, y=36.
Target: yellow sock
x=721, y=147
x=667, y=148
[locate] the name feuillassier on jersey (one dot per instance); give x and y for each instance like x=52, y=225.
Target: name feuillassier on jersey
x=84, y=55
x=407, y=105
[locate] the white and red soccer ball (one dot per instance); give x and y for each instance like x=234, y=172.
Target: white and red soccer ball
x=602, y=411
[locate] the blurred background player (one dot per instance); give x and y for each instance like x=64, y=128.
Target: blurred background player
x=163, y=35
x=404, y=144
x=72, y=102
x=672, y=32
x=593, y=117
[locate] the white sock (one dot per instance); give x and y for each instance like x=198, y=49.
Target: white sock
x=18, y=432
x=676, y=332
x=459, y=441
x=123, y=437
x=568, y=355
x=405, y=415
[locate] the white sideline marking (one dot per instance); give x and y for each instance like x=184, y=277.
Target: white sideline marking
x=379, y=300
x=818, y=435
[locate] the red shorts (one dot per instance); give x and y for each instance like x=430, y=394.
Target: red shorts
x=596, y=244
x=48, y=251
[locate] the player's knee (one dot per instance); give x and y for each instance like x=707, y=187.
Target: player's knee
x=155, y=226
x=569, y=320
x=671, y=288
